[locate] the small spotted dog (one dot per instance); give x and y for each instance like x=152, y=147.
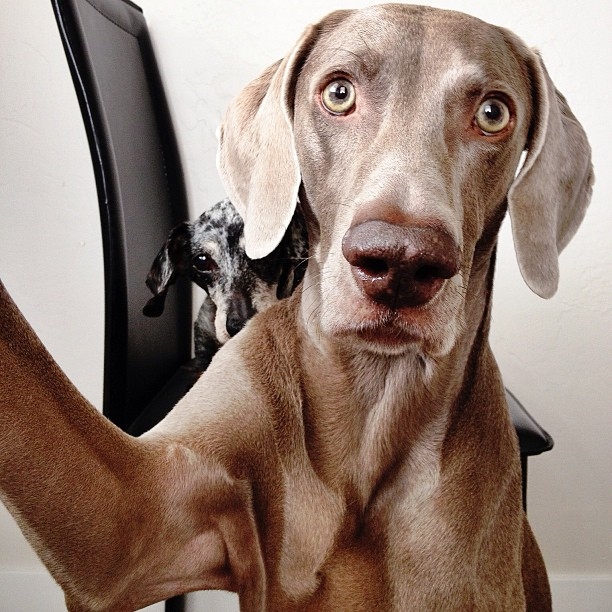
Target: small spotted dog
x=210, y=250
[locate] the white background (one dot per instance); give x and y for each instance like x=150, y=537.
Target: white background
x=555, y=355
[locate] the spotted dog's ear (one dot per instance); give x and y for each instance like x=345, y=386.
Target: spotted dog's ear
x=295, y=256
x=171, y=261
x=257, y=159
x=549, y=197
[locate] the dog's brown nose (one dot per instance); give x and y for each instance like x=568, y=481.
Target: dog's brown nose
x=400, y=266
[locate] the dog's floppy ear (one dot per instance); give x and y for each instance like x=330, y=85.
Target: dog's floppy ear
x=549, y=197
x=257, y=160
x=168, y=265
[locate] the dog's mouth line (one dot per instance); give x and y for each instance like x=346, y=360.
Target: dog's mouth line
x=388, y=336
x=386, y=328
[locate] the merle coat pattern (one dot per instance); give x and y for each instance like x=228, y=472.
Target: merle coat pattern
x=210, y=250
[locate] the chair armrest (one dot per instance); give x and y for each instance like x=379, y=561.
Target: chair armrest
x=533, y=440
x=176, y=387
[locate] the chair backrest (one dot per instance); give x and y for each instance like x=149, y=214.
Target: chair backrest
x=140, y=190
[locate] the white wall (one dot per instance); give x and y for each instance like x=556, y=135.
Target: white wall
x=556, y=355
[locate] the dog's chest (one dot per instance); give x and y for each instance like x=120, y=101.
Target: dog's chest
x=353, y=564
x=354, y=575
x=335, y=550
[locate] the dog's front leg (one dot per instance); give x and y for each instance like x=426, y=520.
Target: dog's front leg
x=119, y=522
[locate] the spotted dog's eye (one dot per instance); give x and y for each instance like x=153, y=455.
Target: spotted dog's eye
x=338, y=97
x=204, y=263
x=492, y=116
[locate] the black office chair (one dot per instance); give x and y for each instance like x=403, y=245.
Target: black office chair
x=141, y=197
x=533, y=439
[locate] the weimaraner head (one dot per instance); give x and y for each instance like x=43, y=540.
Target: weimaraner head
x=412, y=118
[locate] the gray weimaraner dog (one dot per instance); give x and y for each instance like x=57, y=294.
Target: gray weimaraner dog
x=350, y=449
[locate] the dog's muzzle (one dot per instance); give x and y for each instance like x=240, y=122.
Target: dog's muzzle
x=399, y=266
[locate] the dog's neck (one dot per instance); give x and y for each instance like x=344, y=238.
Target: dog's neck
x=397, y=407
x=351, y=435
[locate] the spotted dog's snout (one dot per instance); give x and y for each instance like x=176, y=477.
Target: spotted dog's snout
x=239, y=311
x=400, y=266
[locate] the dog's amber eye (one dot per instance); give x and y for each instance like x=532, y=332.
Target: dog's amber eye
x=492, y=116
x=204, y=263
x=338, y=97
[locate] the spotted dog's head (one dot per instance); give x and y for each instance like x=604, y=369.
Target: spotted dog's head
x=210, y=250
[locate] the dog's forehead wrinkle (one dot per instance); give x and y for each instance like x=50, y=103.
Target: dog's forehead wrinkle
x=357, y=46
x=460, y=72
x=430, y=45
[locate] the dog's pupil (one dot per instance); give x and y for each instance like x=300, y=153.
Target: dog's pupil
x=341, y=92
x=202, y=263
x=493, y=112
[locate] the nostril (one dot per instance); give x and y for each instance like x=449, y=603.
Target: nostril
x=373, y=266
x=426, y=274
